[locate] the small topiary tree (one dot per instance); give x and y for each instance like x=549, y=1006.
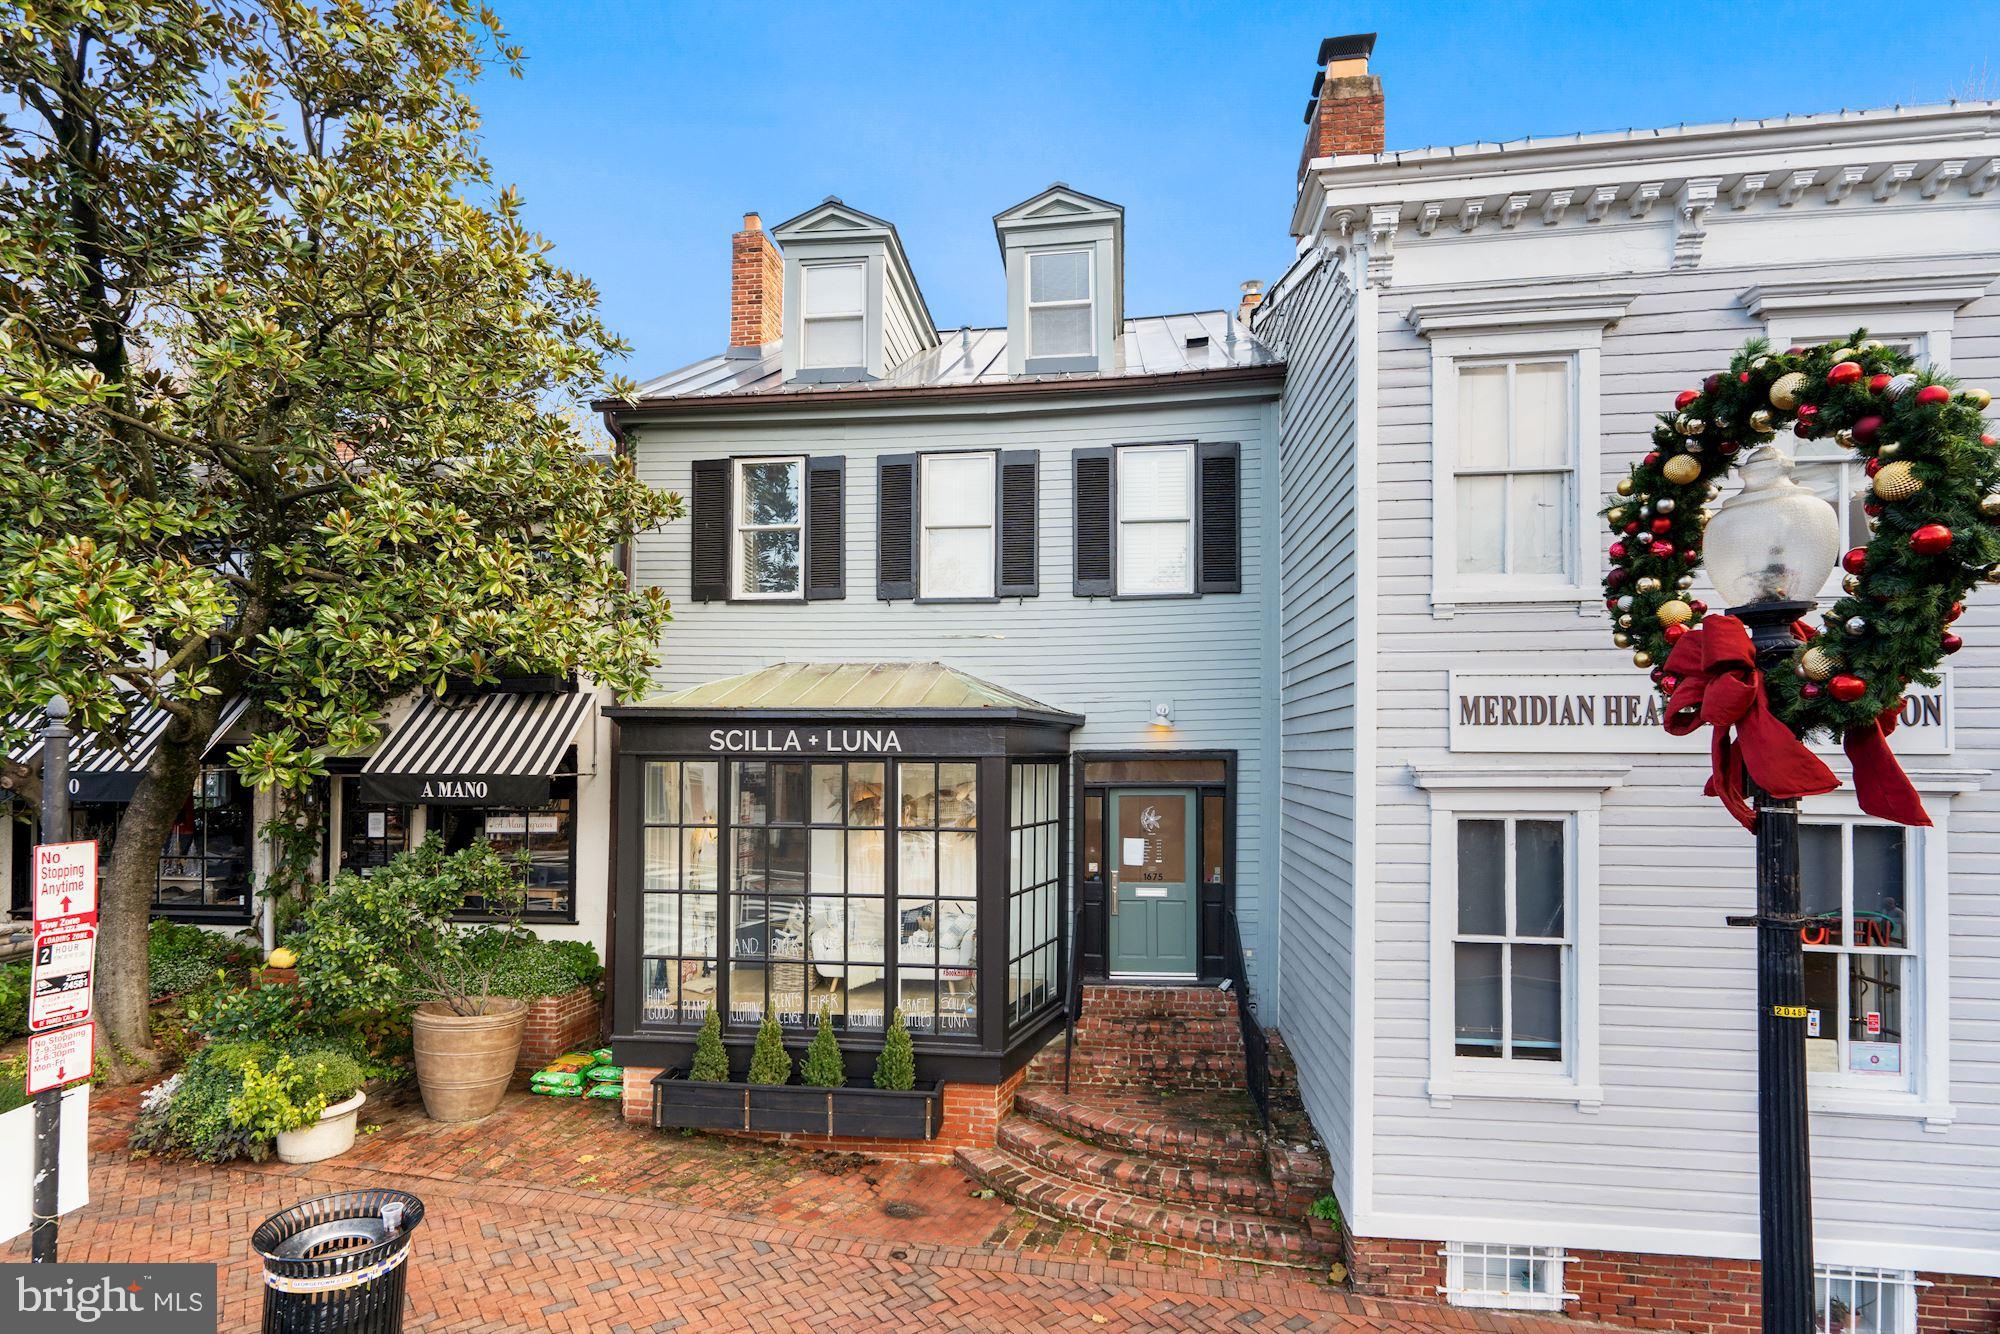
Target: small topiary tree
x=896, y=1067
x=711, y=1061
x=822, y=1067
x=768, y=1062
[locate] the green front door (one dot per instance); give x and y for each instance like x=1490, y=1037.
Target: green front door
x=1153, y=873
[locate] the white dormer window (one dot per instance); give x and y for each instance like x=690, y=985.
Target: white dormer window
x=1059, y=304
x=834, y=313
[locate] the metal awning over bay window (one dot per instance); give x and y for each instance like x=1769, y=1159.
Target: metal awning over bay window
x=848, y=838
x=499, y=749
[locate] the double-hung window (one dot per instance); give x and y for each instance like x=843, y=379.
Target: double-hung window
x=1059, y=304
x=769, y=522
x=1863, y=992
x=1849, y=1300
x=1155, y=519
x=1514, y=473
x=833, y=315
x=1512, y=952
x=957, y=514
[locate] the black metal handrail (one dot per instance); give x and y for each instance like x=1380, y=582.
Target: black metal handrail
x=1256, y=1049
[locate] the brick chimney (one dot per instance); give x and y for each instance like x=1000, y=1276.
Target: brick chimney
x=756, y=288
x=1253, y=297
x=1345, y=113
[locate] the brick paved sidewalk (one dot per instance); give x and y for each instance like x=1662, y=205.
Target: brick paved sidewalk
x=513, y=1239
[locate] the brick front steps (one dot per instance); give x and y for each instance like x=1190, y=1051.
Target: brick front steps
x=1157, y=1139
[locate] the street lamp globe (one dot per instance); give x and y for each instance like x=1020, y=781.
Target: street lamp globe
x=1773, y=541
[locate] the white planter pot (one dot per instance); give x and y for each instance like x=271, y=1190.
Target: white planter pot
x=329, y=1137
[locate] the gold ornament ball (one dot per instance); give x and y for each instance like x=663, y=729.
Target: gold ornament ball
x=1897, y=481
x=1675, y=612
x=1642, y=659
x=1979, y=399
x=1622, y=640
x=1625, y=486
x=1685, y=582
x=1842, y=353
x=1625, y=621
x=1785, y=390
x=1890, y=449
x=1649, y=585
x=1616, y=514
x=1688, y=424
x=1849, y=585
x=1680, y=469
x=1760, y=363
x=1873, y=345
x=1844, y=438
x=1989, y=504
x=1818, y=664
x=1761, y=421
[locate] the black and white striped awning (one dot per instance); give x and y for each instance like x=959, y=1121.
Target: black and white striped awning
x=496, y=749
x=106, y=769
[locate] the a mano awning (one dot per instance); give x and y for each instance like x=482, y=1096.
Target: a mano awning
x=496, y=749
x=106, y=768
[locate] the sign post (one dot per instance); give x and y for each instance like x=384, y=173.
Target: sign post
x=65, y=881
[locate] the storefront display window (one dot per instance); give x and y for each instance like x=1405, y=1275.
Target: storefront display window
x=680, y=809
x=206, y=860
x=937, y=889
x=541, y=838
x=1034, y=808
x=370, y=832
x=1511, y=947
x=1860, y=960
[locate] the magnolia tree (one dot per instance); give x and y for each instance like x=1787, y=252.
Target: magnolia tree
x=287, y=400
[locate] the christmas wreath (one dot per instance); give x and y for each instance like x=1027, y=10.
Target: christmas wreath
x=1935, y=483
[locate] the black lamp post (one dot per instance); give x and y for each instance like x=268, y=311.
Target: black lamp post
x=1770, y=549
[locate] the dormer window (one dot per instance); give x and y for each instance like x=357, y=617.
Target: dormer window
x=834, y=316
x=1059, y=304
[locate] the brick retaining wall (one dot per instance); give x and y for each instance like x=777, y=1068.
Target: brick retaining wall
x=1669, y=1292
x=558, y=1024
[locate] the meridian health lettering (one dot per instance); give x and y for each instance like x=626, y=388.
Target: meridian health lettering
x=1577, y=710
x=832, y=741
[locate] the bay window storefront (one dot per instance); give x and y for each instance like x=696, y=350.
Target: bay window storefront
x=817, y=864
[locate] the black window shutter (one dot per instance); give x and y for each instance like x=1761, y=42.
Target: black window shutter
x=1221, y=518
x=826, y=528
x=710, y=563
x=895, y=527
x=1092, y=489
x=1020, y=483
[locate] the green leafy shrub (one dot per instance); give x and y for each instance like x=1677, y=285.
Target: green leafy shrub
x=182, y=957
x=1327, y=1209
x=13, y=1000
x=822, y=1067
x=269, y=1013
x=896, y=1067
x=270, y=1102
x=769, y=1064
x=188, y=1116
x=526, y=967
x=711, y=1058
x=329, y=1072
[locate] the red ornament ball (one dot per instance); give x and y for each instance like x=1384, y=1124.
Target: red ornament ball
x=1847, y=689
x=1685, y=397
x=1616, y=551
x=1933, y=393
x=1957, y=610
x=1670, y=681
x=1795, y=352
x=1653, y=459
x=1663, y=526
x=1712, y=383
x=1810, y=690
x=1614, y=577
x=1728, y=447
x=1933, y=539
x=1951, y=643
x=1809, y=410
x=1674, y=632
x=1988, y=441
x=1632, y=527
x=1873, y=508
x=1743, y=377
x=1879, y=382
x=1846, y=372
x=1873, y=466
x=1855, y=561
x=1865, y=430
x=1663, y=550
x=1698, y=606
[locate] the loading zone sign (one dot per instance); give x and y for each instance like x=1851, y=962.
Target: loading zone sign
x=60, y=991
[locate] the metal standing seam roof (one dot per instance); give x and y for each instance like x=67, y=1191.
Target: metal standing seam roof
x=93, y=753
x=1151, y=345
x=834, y=687
x=492, y=735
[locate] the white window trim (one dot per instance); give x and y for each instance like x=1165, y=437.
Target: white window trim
x=1456, y=1293
x=807, y=315
x=926, y=527
x=1517, y=790
x=1582, y=347
x=1088, y=301
x=1927, y=1097
x=1118, y=543
x=737, y=528
x=1906, y=1279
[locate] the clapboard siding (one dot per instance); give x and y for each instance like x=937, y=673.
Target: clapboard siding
x=1673, y=1149
x=1103, y=658
x=1316, y=662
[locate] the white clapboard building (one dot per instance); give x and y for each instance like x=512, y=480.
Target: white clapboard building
x=1522, y=1024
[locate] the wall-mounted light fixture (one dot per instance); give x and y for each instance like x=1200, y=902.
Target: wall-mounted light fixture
x=1163, y=713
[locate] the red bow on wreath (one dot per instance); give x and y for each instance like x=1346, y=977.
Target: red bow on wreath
x=1720, y=687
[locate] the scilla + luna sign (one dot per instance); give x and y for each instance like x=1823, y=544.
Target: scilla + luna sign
x=804, y=741
x=1618, y=712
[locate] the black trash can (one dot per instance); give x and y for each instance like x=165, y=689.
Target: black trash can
x=338, y=1263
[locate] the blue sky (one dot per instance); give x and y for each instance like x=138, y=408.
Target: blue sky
x=642, y=132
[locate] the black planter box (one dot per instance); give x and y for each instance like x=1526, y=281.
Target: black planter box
x=795, y=1109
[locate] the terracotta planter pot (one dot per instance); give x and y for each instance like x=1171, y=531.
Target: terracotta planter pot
x=465, y=1061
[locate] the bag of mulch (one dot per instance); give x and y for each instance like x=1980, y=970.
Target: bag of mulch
x=605, y=1091
x=555, y=1091
x=602, y=1055
x=555, y=1079
x=605, y=1074
x=575, y=1060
